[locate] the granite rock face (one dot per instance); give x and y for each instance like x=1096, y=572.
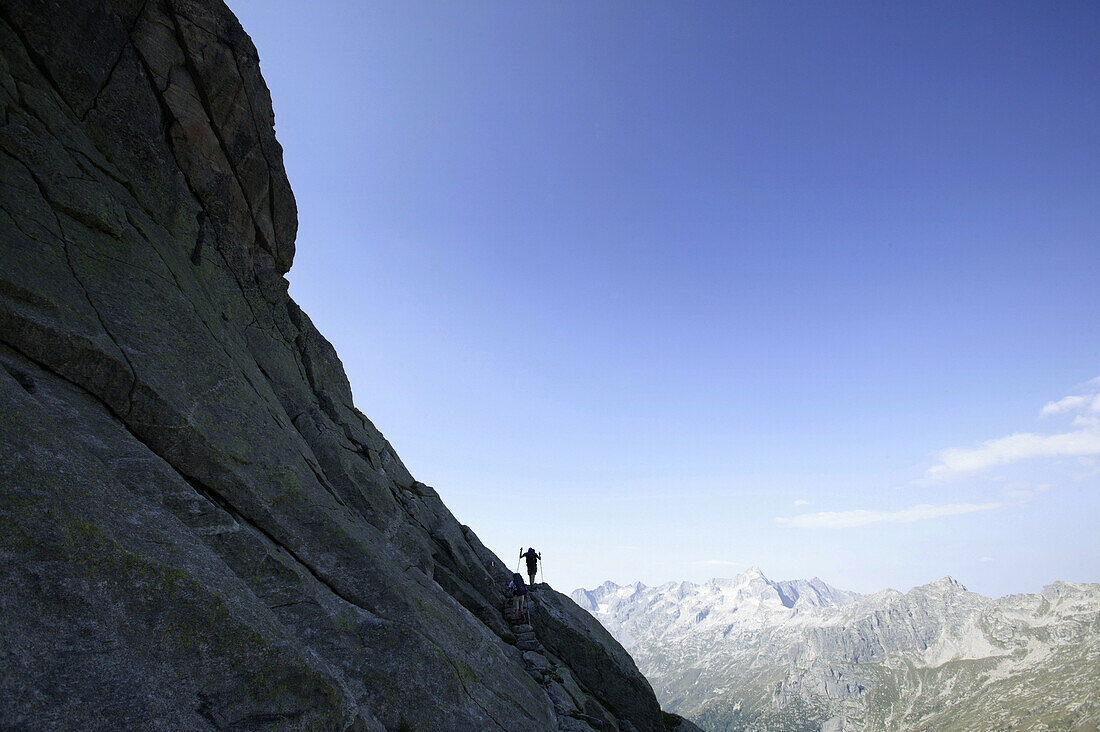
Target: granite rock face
x=198, y=529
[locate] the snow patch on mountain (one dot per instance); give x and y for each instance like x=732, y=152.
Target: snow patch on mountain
x=750, y=653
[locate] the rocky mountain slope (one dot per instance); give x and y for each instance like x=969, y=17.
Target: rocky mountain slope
x=198, y=529
x=751, y=654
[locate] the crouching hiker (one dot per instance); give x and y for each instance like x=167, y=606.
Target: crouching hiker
x=519, y=593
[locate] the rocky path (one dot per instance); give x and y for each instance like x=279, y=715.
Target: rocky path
x=551, y=673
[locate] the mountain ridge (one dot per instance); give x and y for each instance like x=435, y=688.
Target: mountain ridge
x=730, y=654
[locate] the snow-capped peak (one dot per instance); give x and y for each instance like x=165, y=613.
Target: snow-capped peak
x=707, y=648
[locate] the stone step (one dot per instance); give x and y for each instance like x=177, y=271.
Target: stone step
x=578, y=722
x=528, y=645
x=569, y=724
x=536, y=660
x=563, y=702
x=522, y=628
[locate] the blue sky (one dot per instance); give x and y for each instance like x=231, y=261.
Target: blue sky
x=667, y=290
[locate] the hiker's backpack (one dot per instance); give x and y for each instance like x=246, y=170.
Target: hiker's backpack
x=517, y=583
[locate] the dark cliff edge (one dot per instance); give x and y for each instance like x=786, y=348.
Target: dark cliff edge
x=198, y=529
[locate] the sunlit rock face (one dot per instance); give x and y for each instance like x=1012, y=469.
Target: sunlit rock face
x=198, y=527
x=751, y=654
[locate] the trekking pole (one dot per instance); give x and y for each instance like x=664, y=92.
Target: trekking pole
x=542, y=574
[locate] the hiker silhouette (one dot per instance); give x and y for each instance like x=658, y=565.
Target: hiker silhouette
x=532, y=558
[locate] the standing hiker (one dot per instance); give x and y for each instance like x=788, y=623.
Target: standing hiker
x=532, y=557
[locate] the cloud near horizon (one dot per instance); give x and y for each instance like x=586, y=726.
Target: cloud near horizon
x=1083, y=441
x=863, y=517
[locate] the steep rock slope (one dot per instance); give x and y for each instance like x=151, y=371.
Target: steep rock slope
x=751, y=654
x=198, y=529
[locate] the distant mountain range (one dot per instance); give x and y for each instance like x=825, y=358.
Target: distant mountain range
x=751, y=654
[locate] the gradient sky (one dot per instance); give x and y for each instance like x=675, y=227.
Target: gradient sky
x=670, y=289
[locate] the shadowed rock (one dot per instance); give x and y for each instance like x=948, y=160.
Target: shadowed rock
x=198, y=528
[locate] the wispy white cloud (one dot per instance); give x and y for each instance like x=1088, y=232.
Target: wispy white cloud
x=1021, y=446
x=863, y=517
x=722, y=562
x=1081, y=441
x=984, y=560
x=1074, y=403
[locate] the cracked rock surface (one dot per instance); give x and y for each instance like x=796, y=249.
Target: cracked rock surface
x=198, y=529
